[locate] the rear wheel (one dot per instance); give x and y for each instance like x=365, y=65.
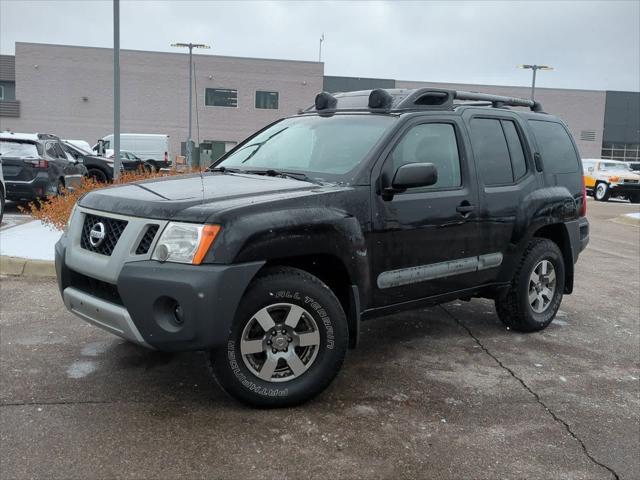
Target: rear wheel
x=98, y=175
x=150, y=167
x=287, y=343
x=535, y=294
x=602, y=192
x=634, y=198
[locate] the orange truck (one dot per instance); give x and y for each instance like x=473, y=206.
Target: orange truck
x=607, y=178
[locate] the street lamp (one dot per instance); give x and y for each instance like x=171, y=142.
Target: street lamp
x=535, y=68
x=190, y=46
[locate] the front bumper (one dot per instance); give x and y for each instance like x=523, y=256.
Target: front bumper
x=141, y=307
x=624, y=188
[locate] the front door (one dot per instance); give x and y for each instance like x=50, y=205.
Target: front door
x=425, y=241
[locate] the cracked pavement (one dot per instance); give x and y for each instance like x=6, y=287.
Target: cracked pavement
x=445, y=392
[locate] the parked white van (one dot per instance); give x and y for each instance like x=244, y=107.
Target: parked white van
x=151, y=148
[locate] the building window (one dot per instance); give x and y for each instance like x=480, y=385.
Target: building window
x=629, y=152
x=220, y=97
x=1, y=92
x=268, y=100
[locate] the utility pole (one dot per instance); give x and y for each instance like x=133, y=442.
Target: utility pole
x=534, y=68
x=320, y=49
x=190, y=46
x=116, y=89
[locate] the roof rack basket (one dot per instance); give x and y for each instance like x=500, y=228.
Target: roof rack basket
x=498, y=101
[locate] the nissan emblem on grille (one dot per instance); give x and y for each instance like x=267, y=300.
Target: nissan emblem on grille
x=97, y=234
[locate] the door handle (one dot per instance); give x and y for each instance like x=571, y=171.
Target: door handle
x=465, y=208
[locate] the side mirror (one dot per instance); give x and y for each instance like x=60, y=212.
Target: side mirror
x=414, y=175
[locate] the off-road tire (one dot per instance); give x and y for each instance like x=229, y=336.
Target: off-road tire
x=601, y=194
x=513, y=307
x=293, y=286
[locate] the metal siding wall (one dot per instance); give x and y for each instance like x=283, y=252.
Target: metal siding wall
x=622, y=117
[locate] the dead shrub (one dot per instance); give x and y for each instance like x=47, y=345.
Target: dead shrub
x=54, y=210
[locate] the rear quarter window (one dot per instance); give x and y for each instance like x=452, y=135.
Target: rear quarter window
x=555, y=146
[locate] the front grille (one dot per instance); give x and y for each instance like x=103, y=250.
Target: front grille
x=147, y=240
x=113, y=229
x=93, y=286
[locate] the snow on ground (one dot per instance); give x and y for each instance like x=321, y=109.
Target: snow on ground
x=30, y=240
x=634, y=215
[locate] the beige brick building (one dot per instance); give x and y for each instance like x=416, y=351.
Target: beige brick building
x=68, y=91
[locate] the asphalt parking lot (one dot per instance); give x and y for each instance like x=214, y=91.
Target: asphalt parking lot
x=445, y=392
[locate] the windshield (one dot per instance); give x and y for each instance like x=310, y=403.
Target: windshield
x=77, y=148
x=314, y=145
x=18, y=149
x=609, y=166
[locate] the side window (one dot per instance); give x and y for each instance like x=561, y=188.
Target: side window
x=59, y=152
x=431, y=143
x=554, y=143
x=50, y=150
x=491, y=151
x=518, y=161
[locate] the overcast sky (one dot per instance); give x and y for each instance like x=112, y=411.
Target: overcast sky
x=590, y=44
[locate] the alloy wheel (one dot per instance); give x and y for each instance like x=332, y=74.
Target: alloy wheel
x=542, y=286
x=280, y=342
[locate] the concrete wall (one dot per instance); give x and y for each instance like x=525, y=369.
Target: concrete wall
x=51, y=81
x=582, y=110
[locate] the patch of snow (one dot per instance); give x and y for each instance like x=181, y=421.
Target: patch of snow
x=633, y=215
x=364, y=410
x=31, y=240
x=562, y=379
x=81, y=369
x=539, y=365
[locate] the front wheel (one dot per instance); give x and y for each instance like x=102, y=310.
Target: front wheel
x=1, y=205
x=602, y=192
x=535, y=293
x=287, y=343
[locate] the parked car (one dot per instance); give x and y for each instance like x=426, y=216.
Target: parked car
x=607, y=178
x=151, y=148
x=2, y=192
x=366, y=204
x=98, y=168
x=35, y=165
x=130, y=160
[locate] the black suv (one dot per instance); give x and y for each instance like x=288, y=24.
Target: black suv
x=366, y=204
x=35, y=165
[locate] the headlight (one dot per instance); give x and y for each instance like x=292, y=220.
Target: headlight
x=185, y=243
x=73, y=211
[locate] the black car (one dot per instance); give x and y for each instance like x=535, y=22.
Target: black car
x=36, y=165
x=367, y=204
x=98, y=168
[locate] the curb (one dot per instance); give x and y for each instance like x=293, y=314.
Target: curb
x=24, y=267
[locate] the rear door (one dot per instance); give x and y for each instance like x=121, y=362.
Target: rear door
x=424, y=241
x=506, y=176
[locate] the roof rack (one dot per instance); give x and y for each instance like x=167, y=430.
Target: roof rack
x=394, y=100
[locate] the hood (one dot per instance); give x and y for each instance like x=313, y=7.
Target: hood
x=193, y=198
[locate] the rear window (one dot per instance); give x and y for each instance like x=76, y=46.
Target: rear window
x=556, y=148
x=19, y=149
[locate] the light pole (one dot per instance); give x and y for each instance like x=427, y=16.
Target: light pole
x=535, y=68
x=320, y=49
x=190, y=46
x=116, y=89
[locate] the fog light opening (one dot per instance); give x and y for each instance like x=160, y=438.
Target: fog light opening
x=169, y=314
x=177, y=314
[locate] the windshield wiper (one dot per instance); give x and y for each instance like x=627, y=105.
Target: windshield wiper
x=280, y=173
x=226, y=169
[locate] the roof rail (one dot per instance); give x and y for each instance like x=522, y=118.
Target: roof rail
x=498, y=100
